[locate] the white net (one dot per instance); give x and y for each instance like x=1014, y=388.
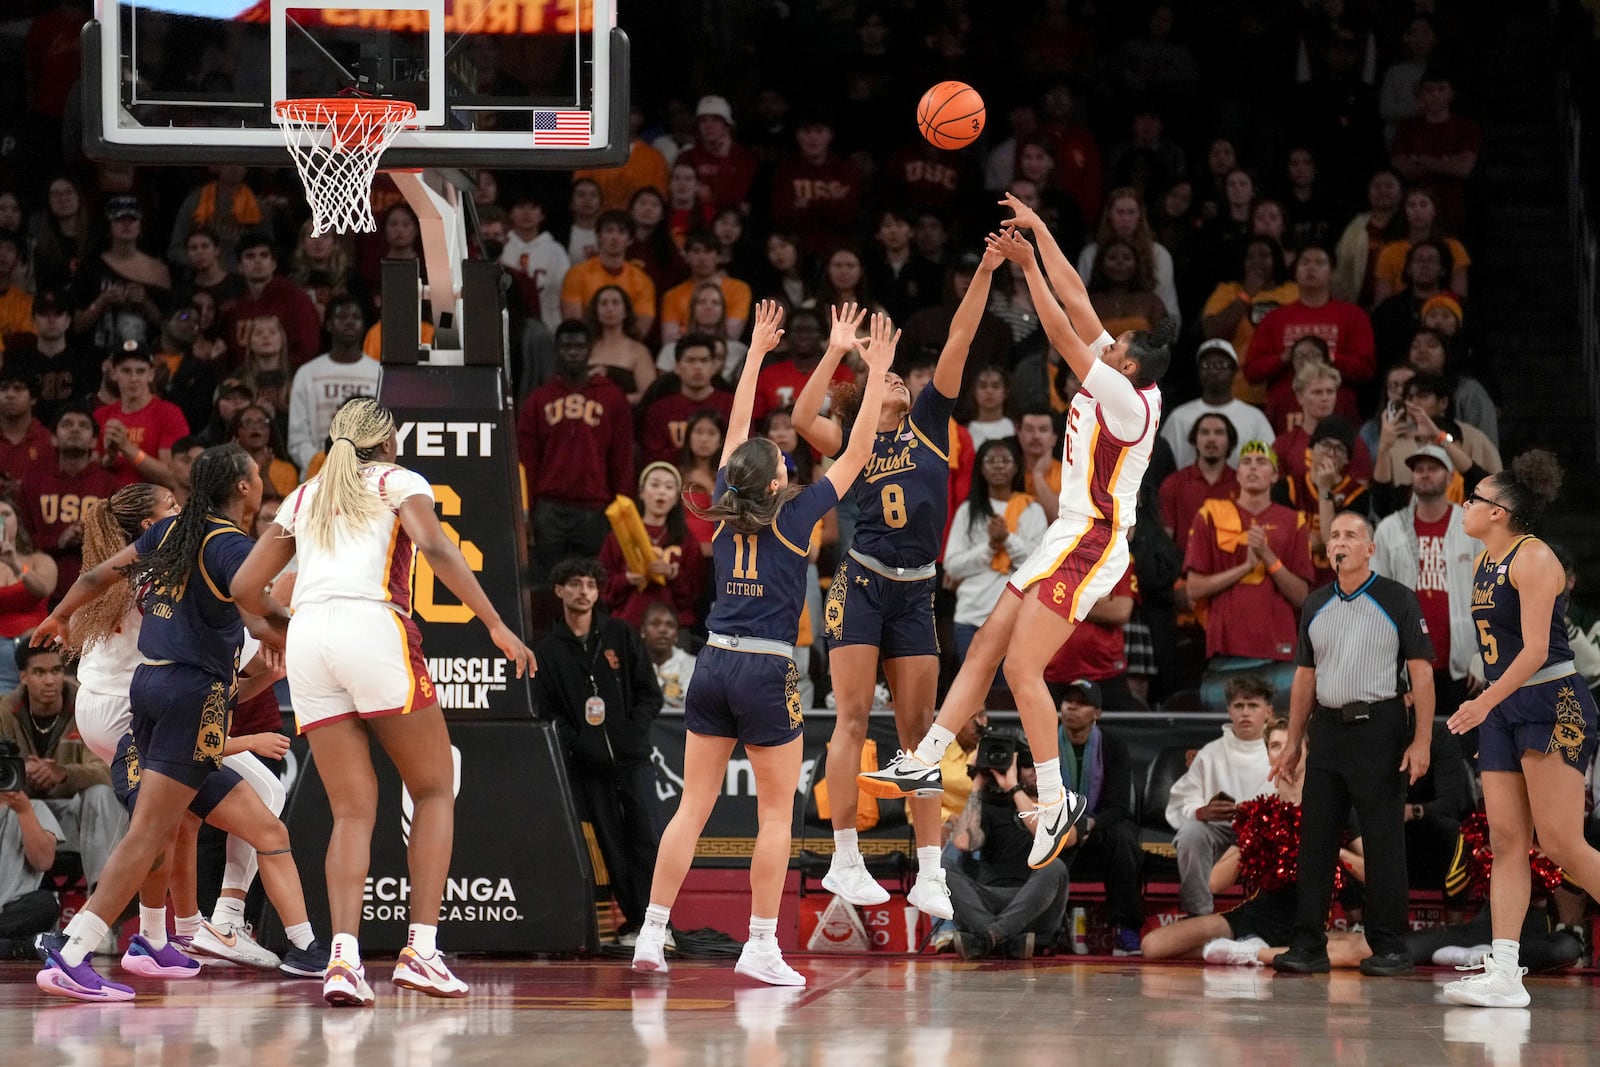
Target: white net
x=336, y=144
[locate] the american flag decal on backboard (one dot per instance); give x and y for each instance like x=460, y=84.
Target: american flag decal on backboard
x=561, y=128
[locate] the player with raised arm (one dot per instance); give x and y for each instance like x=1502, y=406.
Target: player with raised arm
x=1111, y=428
x=880, y=605
x=354, y=657
x=746, y=685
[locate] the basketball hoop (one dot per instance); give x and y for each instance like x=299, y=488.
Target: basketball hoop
x=336, y=143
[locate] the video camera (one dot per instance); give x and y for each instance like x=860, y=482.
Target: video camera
x=996, y=747
x=13, y=768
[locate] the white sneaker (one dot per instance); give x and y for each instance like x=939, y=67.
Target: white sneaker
x=931, y=896
x=1227, y=952
x=849, y=880
x=649, y=947
x=427, y=974
x=1494, y=988
x=905, y=775
x=1461, y=955
x=233, y=942
x=763, y=961
x=345, y=986
x=1051, y=823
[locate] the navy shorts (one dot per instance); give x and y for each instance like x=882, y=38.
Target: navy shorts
x=751, y=696
x=180, y=720
x=1555, y=716
x=1267, y=914
x=125, y=780
x=865, y=608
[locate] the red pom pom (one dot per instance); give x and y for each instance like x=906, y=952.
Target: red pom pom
x=1478, y=859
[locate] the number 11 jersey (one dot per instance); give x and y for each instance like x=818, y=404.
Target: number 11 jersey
x=761, y=577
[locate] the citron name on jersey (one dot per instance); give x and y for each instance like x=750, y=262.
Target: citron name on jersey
x=745, y=589
x=460, y=439
x=879, y=467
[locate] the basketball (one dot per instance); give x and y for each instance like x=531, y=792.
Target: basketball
x=950, y=115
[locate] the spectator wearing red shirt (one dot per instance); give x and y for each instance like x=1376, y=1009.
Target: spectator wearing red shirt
x=781, y=381
x=1097, y=651
x=725, y=167
x=815, y=193
x=24, y=441
x=575, y=440
x=53, y=496
x=1249, y=561
x=1327, y=488
x=1341, y=325
x=664, y=420
x=677, y=560
x=1318, y=393
x=1439, y=147
x=137, y=432
x=1212, y=438
x=925, y=178
x=266, y=293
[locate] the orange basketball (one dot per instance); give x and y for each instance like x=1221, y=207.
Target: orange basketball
x=950, y=115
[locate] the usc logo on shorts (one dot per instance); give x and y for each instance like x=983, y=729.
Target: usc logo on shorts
x=425, y=687
x=1059, y=593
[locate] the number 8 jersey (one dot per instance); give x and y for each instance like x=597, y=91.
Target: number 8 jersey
x=761, y=577
x=904, y=491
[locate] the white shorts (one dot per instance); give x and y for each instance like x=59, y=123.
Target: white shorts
x=102, y=719
x=1078, y=562
x=354, y=657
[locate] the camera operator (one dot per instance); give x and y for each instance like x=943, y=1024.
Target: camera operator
x=72, y=781
x=29, y=835
x=1001, y=904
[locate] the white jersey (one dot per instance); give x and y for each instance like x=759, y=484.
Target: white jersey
x=106, y=667
x=1111, y=429
x=370, y=564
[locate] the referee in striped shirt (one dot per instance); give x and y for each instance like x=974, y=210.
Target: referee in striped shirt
x=1360, y=638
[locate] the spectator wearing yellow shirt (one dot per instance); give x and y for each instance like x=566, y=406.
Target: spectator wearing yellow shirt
x=16, y=303
x=702, y=251
x=646, y=168
x=1039, y=437
x=1234, y=308
x=610, y=266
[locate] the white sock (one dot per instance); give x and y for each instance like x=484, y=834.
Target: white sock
x=932, y=749
x=763, y=929
x=657, y=915
x=188, y=925
x=228, y=910
x=423, y=939
x=345, y=948
x=299, y=935
x=1505, y=953
x=153, y=925
x=846, y=847
x=1050, y=788
x=928, y=865
x=84, y=934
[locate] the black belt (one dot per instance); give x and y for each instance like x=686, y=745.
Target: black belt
x=1362, y=710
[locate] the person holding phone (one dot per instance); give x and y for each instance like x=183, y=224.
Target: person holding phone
x=1234, y=767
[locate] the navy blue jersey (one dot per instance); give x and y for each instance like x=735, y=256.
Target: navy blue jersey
x=198, y=624
x=904, y=491
x=1497, y=613
x=761, y=577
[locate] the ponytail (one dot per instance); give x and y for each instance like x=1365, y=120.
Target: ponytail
x=748, y=505
x=342, y=501
x=109, y=526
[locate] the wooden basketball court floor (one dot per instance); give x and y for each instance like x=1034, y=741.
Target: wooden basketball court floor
x=855, y=1013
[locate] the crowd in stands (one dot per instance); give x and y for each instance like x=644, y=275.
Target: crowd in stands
x=1291, y=182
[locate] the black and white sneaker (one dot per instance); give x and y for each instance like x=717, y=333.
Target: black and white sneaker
x=905, y=776
x=1050, y=825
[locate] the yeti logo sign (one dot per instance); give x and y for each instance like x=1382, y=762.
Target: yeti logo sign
x=454, y=426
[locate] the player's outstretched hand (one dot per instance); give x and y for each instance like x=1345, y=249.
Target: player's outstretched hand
x=53, y=632
x=882, y=338
x=1013, y=246
x=768, y=327
x=513, y=648
x=992, y=258
x=1023, y=217
x=846, y=325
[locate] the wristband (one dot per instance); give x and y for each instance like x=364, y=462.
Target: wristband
x=140, y=457
x=1245, y=298
x=1442, y=438
x=1277, y=565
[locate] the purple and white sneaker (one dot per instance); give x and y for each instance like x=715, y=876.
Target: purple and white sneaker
x=75, y=983
x=164, y=962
